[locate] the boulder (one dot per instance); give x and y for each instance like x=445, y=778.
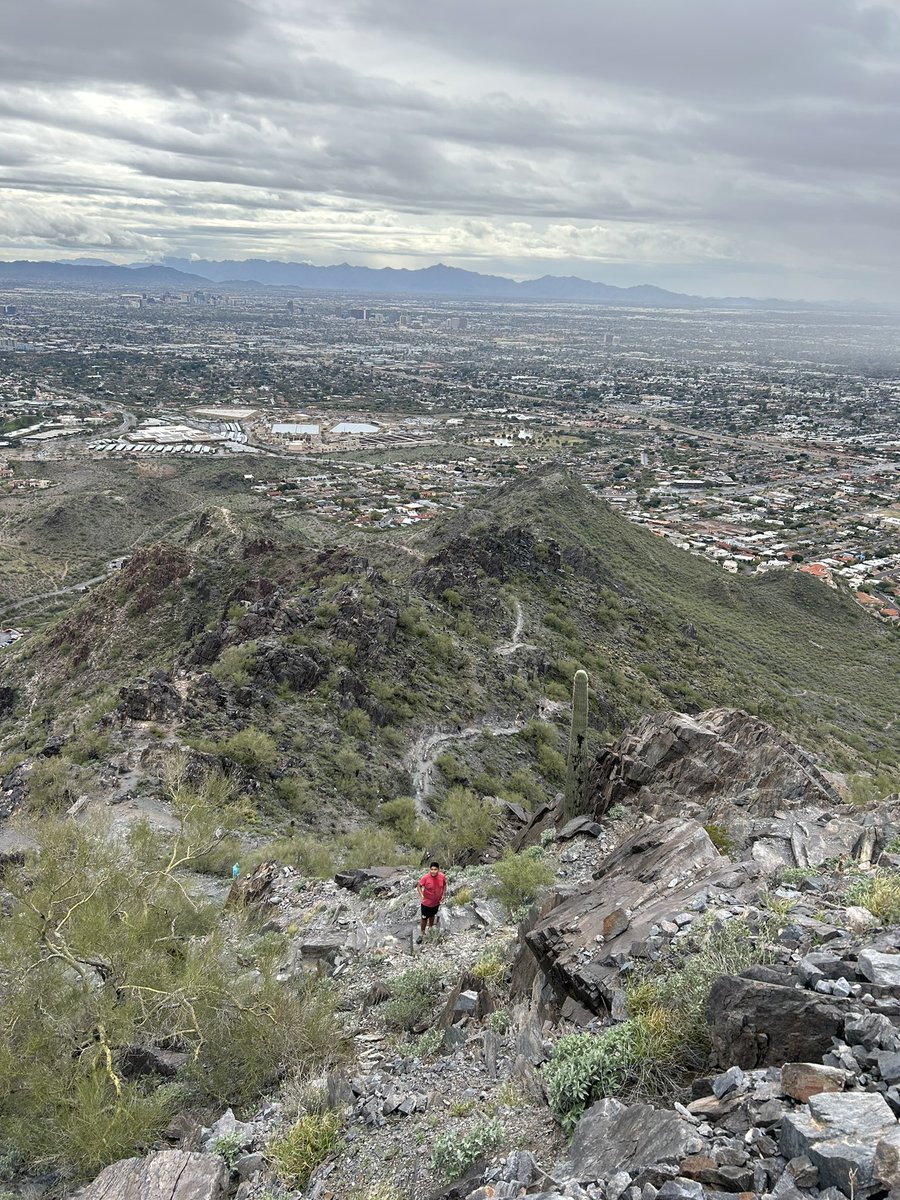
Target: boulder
x=256, y=887
x=168, y=1175
x=152, y=699
x=802, y=1080
x=755, y=1024
x=380, y=879
x=612, y=1137
x=839, y=1132
x=578, y=941
x=877, y=967
x=470, y=1000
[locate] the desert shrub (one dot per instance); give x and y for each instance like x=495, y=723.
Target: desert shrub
x=294, y=794
x=50, y=787
x=450, y=767
x=348, y=763
x=665, y=1037
x=720, y=837
x=234, y=665
x=91, y=746
x=412, y=995
x=490, y=968
x=453, y=1153
x=314, y=857
x=550, y=763
x=251, y=749
x=520, y=878
x=297, y=1152
x=370, y=848
x=879, y=893
x=465, y=895
x=428, y=1043
x=358, y=723
x=524, y=783
x=498, y=1020
x=229, y=1147
x=466, y=824
x=401, y=815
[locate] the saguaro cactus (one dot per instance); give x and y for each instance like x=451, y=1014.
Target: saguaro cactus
x=575, y=761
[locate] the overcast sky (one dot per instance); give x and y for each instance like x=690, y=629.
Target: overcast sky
x=716, y=146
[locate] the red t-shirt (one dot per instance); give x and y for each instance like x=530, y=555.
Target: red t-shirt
x=432, y=888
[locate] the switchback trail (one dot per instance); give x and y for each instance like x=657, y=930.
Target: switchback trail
x=420, y=759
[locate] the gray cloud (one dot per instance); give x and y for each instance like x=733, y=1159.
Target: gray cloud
x=709, y=139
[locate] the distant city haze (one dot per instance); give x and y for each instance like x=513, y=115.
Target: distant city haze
x=712, y=147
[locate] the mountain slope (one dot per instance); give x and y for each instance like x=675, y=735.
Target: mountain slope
x=367, y=674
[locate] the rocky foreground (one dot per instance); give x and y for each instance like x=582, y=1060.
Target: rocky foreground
x=703, y=830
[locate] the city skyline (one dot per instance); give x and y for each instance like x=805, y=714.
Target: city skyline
x=716, y=149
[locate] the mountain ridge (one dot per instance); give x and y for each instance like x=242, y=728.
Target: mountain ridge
x=437, y=280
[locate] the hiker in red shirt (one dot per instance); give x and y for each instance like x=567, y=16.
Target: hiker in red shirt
x=431, y=889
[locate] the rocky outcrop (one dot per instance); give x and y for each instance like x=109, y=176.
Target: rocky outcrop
x=152, y=699
x=581, y=941
x=169, y=1175
x=720, y=758
x=277, y=663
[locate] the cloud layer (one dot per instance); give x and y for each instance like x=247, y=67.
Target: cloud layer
x=720, y=146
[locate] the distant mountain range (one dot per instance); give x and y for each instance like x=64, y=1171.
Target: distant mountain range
x=438, y=280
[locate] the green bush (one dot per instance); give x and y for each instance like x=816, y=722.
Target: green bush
x=90, y=746
x=520, y=878
x=234, y=665
x=50, y=787
x=466, y=824
x=550, y=763
x=452, y=1153
x=412, y=996
x=490, y=968
x=358, y=723
x=665, y=1037
x=880, y=894
x=369, y=848
x=401, y=815
x=252, y=749
x=296, y=1153
x=720, y=837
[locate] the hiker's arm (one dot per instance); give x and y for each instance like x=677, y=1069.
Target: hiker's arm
x=419, y=890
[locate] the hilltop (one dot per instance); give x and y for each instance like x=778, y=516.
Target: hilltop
x=370, y=666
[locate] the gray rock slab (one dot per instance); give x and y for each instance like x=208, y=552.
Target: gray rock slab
x=169, y=1175
x=839, y=1133
x=578, y=940
x=612, y=1137
x=879, y=968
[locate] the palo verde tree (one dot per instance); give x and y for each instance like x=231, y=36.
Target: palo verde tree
x=109, y=949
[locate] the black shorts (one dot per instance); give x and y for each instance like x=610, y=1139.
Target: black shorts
x=430, y=910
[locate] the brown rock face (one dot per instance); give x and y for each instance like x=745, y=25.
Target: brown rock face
x=802, y=1080
x=669, y=760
